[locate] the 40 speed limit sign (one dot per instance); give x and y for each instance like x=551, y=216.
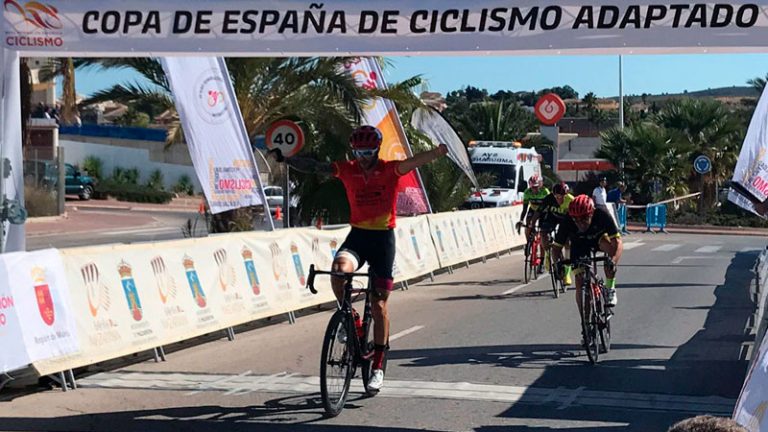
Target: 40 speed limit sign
x=285, y=136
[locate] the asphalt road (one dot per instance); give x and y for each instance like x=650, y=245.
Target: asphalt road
x=148, y=226
x=475, y=350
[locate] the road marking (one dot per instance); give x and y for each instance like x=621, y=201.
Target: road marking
x=193, y=383
x=511, y=290
x=665, y=248
x=405, y=332
x=707, y=249
x=157, y=230
x=678, y=260
x=751, y=249
x=632, y=245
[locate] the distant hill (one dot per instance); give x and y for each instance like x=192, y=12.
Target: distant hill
x=722, y=92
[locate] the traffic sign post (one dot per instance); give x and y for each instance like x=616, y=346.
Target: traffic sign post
x=702, y=165
x=286, y=136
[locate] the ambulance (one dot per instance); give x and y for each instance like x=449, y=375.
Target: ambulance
x=510, y=167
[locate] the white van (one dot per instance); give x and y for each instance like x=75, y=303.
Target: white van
x=510, y=165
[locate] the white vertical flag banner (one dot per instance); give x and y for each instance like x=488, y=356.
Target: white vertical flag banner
x=750, y=177
x=382, y=113
x=436, y=127
x=11, y=154
x=13, y=355
x=214, y=131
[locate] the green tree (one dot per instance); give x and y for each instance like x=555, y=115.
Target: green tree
x=496, y=121
x=758, y=83
x=710, y=129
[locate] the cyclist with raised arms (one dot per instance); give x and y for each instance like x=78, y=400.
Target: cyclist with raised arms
x=590, y=229
x=532, y=197
x=554, y=209
x=371, y=185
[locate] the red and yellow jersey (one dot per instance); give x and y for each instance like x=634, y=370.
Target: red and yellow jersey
x=372, y=199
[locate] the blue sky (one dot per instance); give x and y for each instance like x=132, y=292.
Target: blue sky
x=598, y=74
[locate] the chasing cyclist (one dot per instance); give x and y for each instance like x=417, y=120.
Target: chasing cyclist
x=590, y=229
x=532, y=197
x=554, y=210
x=371, y=185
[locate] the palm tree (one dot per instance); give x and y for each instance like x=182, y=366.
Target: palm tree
x=758, y=83
x=496, y=121
x=64, y=67
x=711, y=130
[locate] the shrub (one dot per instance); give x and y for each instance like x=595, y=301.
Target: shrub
x=125, y=176
x=40, y=201
x=133, y=192
x=184, y=185
x=93, y=166
x=156, y=180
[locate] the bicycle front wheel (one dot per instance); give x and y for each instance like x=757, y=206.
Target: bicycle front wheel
x=555, y=278
x=336, y=363
x=589, y=326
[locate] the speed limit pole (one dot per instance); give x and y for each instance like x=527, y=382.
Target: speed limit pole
x=286, y=136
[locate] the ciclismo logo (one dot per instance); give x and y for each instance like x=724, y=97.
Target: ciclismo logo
x=36, y=24
x=211, y=103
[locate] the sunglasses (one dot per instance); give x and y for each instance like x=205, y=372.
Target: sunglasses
x=583, y=220
x=364, y=153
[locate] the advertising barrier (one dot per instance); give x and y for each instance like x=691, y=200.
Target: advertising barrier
x=63, y=309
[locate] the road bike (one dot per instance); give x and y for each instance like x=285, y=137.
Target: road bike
x=555, y=273
x=533, y=263
x=342, y=355
x=595, y=314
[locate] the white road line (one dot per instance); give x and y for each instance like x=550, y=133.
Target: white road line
x=751, y=249
x=158, y=230
x=632, y=245
x=290, y=384
x=665, y=248
x=405, y=332
x=707, y=249
x=678, y=260
x=511, y=290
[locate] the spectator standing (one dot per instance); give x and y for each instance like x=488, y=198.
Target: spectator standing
x=599, y=194
x=616, y=195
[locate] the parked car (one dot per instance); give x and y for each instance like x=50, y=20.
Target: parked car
x=275, y=197
x=78, y=183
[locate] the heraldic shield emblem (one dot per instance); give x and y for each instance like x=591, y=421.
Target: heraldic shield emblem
x=43, y=296
x=129, y=288
x=194, y=281
x=250, y=270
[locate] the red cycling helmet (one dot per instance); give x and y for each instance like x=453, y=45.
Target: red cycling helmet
x=561, y=188
x=365, y=137
x=535, y=181
x=581, y=206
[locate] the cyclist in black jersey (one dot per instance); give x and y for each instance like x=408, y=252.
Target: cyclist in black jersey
x=553, y=209
x=590, y=229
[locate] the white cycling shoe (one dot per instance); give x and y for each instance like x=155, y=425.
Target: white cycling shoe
x=612, y=297
x=377, y=380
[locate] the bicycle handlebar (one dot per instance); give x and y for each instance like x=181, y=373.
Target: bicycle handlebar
x=588, y=261
x=344, y=275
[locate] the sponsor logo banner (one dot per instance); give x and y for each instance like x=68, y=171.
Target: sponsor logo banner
x=214, y=131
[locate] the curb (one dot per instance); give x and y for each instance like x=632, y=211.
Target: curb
x=43, y=219
x=713, y=230
x=136, y=208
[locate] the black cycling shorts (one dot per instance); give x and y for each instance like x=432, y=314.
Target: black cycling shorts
x=375, y=247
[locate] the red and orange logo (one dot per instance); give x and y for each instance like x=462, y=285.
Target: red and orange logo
x=36, y=14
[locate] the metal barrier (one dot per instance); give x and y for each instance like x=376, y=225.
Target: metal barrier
x=656, y=217
x=621, y=215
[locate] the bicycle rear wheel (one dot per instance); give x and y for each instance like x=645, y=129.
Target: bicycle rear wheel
x=589, y=326
x=336, y=367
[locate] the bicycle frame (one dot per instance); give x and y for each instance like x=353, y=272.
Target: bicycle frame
x=346, y=305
